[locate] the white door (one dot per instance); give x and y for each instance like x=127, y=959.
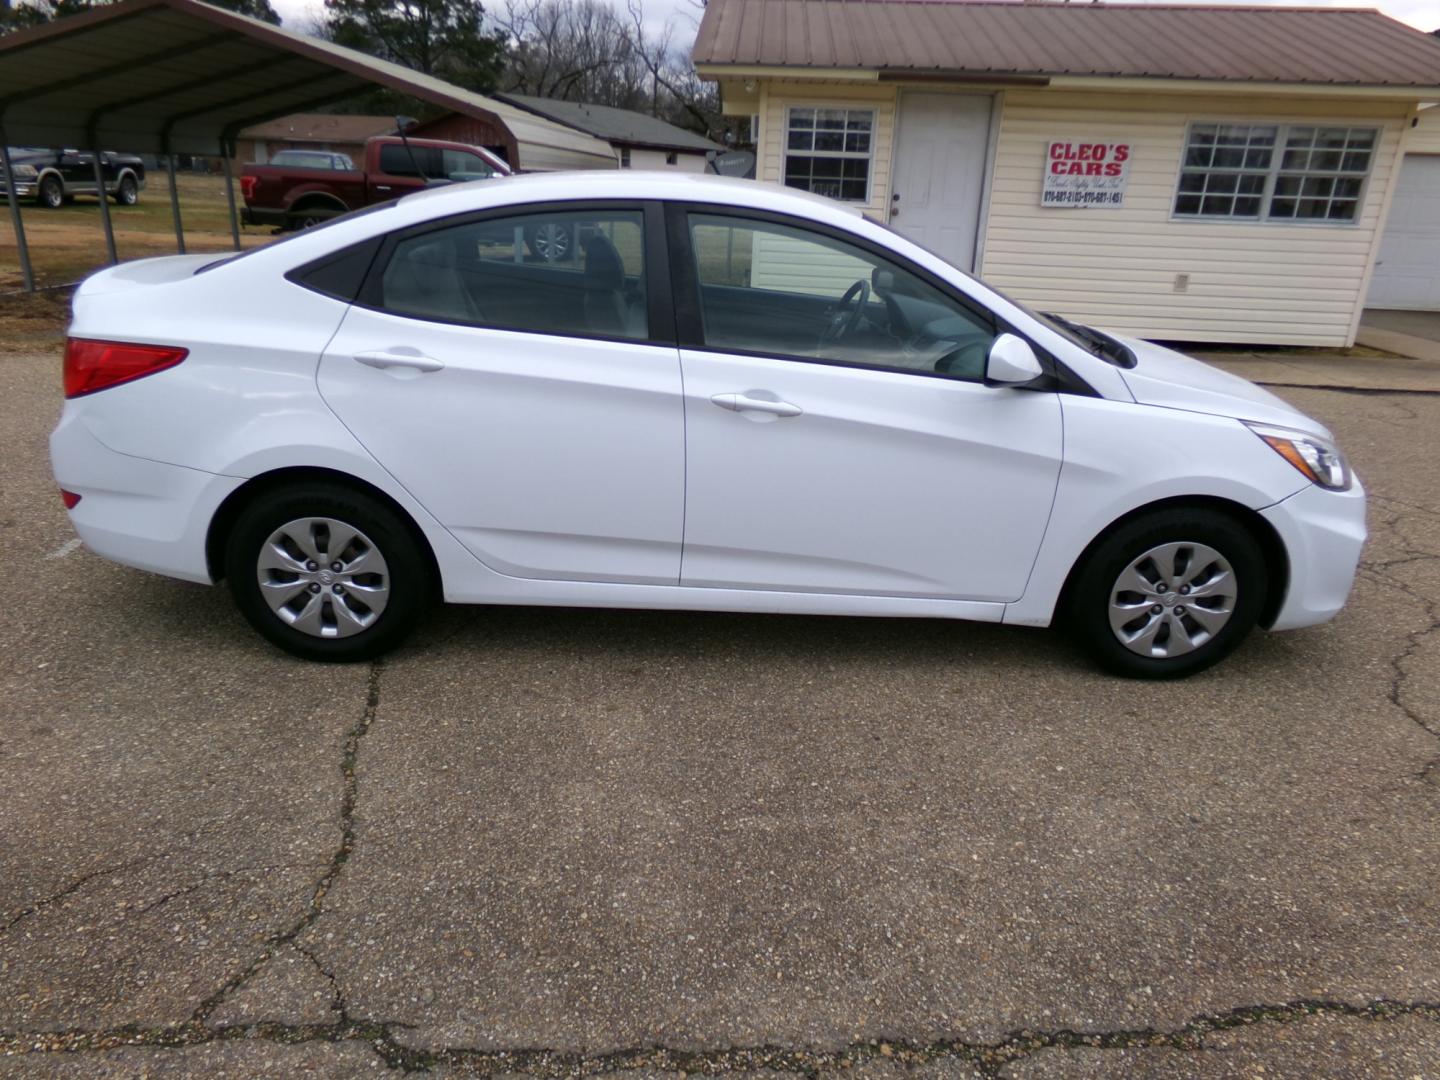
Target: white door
x=515, y=395
x=838, y=436
x=1407, y=270
x=940, y=172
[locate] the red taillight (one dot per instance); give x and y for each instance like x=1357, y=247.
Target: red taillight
x=95, y=365
x=248, y=184
x=69, y=498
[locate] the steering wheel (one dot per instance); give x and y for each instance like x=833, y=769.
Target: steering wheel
x=845, y=315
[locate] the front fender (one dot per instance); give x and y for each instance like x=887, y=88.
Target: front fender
x=1121, y=457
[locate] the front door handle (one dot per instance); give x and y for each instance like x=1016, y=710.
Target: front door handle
x=747, y=403
x=383, y=359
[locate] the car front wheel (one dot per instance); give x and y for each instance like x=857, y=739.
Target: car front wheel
x=128, y=194
x=51, y=194
x=327, y=573
x=1168, y=594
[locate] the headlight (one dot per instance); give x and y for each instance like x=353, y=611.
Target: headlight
x=1319, y=460
x=24, y=172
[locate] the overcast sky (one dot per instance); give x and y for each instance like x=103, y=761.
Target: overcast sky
x=681, y=14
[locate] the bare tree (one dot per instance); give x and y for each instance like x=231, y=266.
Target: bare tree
x=584, y=50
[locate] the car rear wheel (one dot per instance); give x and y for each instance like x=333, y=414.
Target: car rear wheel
x=128, y=193
x=551, y=241
x=1168, y=594
x=327, y=573
x=51, y=194
x=307, y=217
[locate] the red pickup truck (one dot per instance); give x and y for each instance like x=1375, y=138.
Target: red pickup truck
x=294, y=196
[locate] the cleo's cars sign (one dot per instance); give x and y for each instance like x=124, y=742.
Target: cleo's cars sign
x=1085, y=174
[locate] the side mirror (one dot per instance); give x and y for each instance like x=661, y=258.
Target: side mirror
x=1012, y=362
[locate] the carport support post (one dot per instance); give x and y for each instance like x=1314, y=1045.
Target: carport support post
x=104, y=206
x=230, y=192
x=175, y=204
x=26, y=274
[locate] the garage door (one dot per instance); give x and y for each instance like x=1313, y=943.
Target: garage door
x=1407, y=272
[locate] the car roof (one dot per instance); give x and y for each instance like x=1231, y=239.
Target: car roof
x=453, y=200
x=621, y=184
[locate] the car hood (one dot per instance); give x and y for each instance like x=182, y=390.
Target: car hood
x=1172, y=380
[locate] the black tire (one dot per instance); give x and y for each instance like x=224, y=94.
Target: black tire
x=51, y=193
x=307, y=217
x=128, y=193
x=408, y=577
x=1093, y=589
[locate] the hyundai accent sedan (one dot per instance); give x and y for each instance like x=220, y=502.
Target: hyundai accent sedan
x=723, y=396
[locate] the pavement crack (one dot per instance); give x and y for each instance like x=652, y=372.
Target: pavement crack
x=989, y=1058
x=1399, y=670
x=69, y=890
x=350, y=755
x=337, y=997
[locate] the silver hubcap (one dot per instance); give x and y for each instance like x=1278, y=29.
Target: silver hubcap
x=552, y=241
x=323, y=577
x=1172, y=600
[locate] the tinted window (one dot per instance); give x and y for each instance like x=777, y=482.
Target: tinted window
x=560, y=273
x=784, y=291
x=437, y=163
x=397, y=160
x=463, y=165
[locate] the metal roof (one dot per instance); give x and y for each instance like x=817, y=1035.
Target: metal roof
x=613, y=125
x=177, y=75
x=1257, y=44
x=321, y=128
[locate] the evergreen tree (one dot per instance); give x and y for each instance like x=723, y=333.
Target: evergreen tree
x=444, y=38
x=16, y=16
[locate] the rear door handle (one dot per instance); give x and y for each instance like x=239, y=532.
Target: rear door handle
x=746, y=403
x=384, y=359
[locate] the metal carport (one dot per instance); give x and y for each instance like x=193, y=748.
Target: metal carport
x=181, y=76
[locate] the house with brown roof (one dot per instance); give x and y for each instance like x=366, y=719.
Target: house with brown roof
x=1174, y=172
x=335, y=133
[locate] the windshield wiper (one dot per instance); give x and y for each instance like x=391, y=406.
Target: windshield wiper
x=1102, y=345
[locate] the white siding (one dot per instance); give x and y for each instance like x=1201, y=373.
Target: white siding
x=655, y=159
x=1248, y=282
x=777, y=96
x=788, y=264
x=1424, y=137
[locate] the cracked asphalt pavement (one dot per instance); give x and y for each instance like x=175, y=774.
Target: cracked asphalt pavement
x=558, y=843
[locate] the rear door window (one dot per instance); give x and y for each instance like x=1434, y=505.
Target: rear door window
x=578, y=273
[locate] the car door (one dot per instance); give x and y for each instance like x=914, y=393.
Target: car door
x=840, y=438
x=399, y=168
x=532, y=407
x=78, y=170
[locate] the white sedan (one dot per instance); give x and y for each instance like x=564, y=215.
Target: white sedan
x=718, y=395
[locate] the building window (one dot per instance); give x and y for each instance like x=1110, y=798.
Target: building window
x=625, y=157
x=1274, y=172
x=671, y=158
x=827, y=151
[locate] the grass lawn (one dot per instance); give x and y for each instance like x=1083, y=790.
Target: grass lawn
x=68, y=243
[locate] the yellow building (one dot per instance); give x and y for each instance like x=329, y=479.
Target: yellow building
x=1181, y=173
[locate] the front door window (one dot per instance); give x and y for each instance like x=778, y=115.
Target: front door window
x=783, y=291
